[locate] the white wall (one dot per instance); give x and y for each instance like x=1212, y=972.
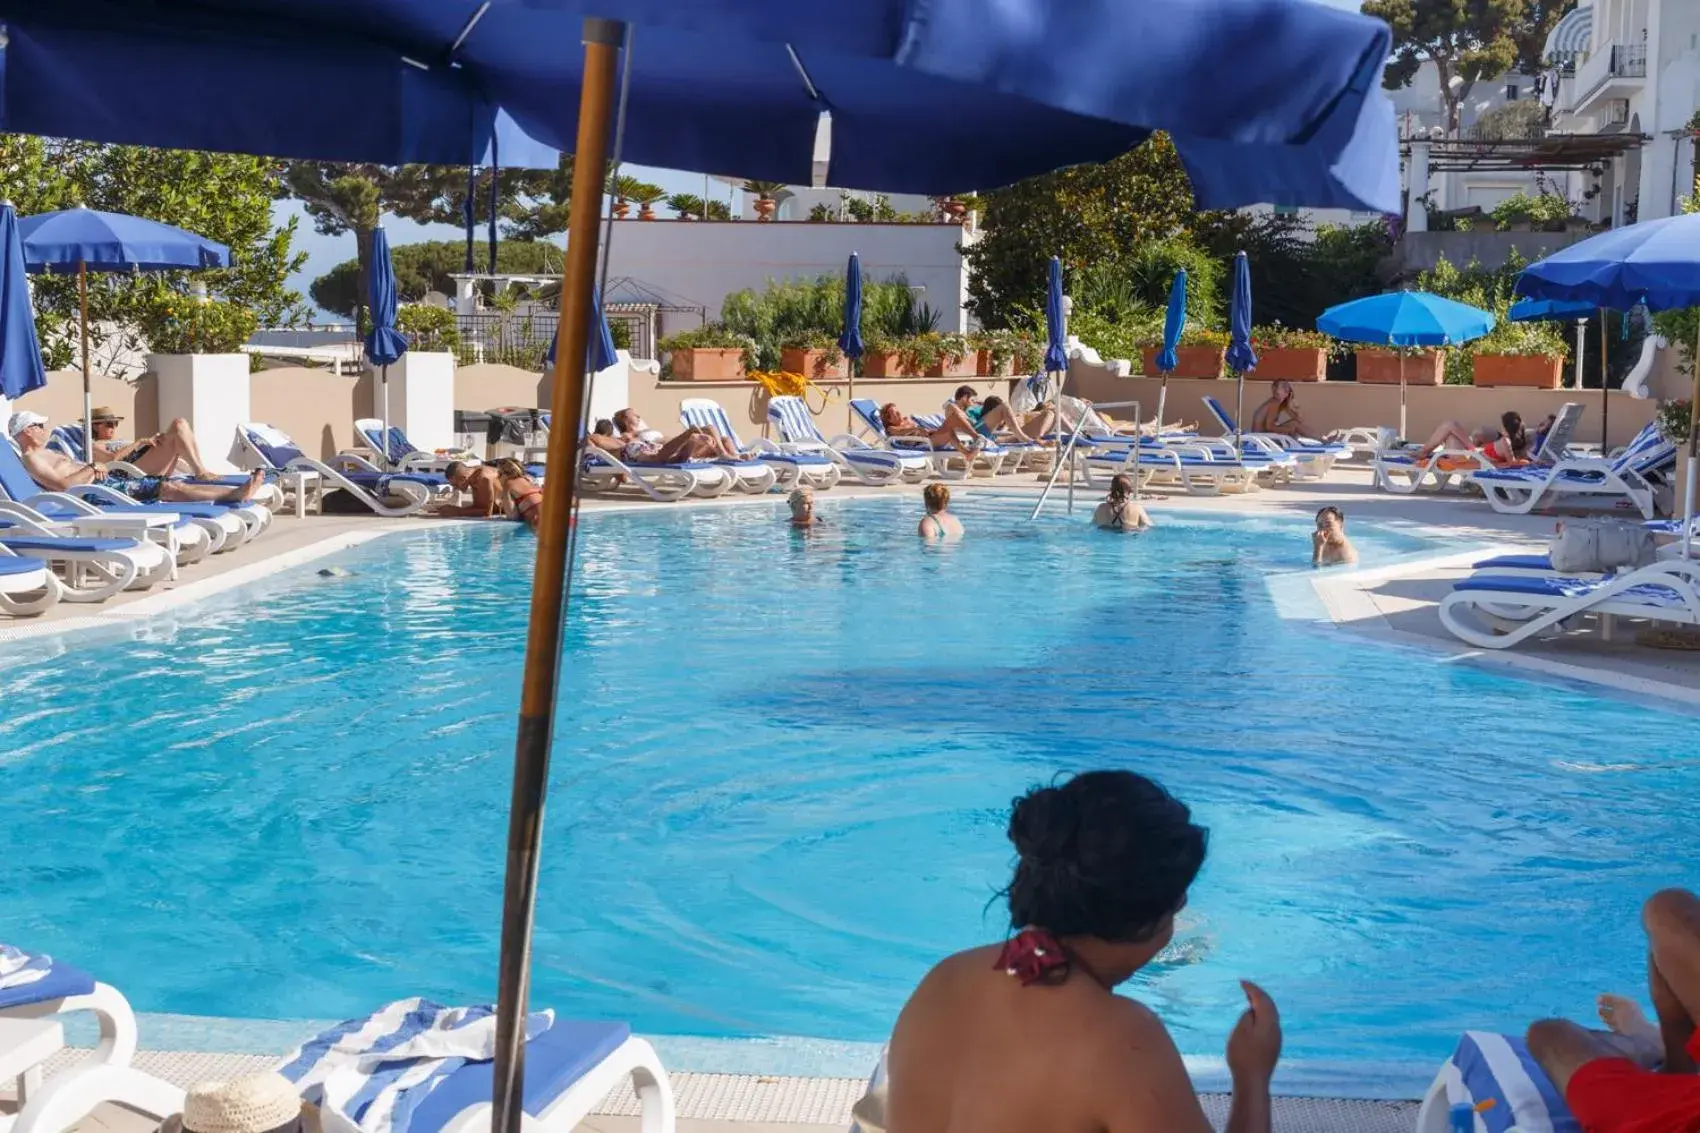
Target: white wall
x=1671, y=96
x=704, y=261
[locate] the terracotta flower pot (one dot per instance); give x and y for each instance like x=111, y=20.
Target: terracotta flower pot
x=883, y=364
x=621, y=208
x=1383, y=367
x=1190, y=361
x=955, y=209
x=812, y=363
x=1539, y=371
x=986, y=368
x=954, y=366
x=1291, y=364
x=646, y=212
x=766, y=207
x=706, y=365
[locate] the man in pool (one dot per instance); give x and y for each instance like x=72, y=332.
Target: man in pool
x=1329, y=545
x=56, y=472
x=1638, y=1077
x=1029, y=1036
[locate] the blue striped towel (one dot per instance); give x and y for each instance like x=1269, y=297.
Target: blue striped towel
x=18, y=967
x=369, y=1075
x=1500, y=1067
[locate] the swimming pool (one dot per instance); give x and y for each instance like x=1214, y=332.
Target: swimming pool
x=782, y=790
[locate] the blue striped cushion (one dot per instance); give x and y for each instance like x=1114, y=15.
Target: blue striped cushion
x=1500, y=1067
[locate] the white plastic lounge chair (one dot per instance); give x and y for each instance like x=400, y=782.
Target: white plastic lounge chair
x=1498, y=1068
x=1314, y=459
x=570, y=1066
x=92, y=569
x=187, y=536
x=601, y=471
x=402, y=455
x=790, y=469
x=1195, y=469
x=27, y=586
x=39, y=987
x=68, y=439
x=1662, y=592
x=946, y=464
x=385, y=493
x=988, y=458
x=1404, y=473
x=1628, y=477
x=798, y=433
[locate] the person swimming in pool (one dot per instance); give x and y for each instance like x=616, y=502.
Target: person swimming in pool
x=1120, y=511
x=802, y=504
x=1328, y=544
x=1028, y=1035
x=938, y=525
x=524, y=496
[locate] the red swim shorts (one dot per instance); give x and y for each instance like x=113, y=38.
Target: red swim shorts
x=1613, y=1095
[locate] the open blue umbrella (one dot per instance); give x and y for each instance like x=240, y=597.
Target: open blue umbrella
x=20, y=351
x=850, y=341
x=384, y=343
x=1542, y=310
x=1174, y=325
x=85, y=240
x=1656, y=264
x=1241, y=357
x=1405, y=319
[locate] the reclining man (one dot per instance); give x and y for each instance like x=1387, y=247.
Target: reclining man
x=56, y=472
x=156, y=455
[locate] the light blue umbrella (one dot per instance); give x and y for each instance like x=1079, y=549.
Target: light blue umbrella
x=384, y=343
x=1407, y=319
x=1174, y=325
x=20, y=351
x=1241, y=357
x=850, y=341
x=85, y=240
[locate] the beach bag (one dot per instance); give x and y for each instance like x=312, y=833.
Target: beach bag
x=1595, y=546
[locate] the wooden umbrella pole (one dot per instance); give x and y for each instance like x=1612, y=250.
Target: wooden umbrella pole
x=88, y=383
x=602, y=43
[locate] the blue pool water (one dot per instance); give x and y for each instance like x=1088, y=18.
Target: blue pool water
x=781, y=786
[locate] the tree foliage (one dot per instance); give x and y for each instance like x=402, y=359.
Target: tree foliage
x=427, y=266
x=1467, y=40
x=225, y=197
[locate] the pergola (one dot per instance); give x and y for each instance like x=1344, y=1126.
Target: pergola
x=1550, y=151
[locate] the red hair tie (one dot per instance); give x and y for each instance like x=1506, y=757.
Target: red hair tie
x=1033, y=956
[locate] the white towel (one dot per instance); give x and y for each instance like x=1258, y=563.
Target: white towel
x=368, y=1075
x=18, y=967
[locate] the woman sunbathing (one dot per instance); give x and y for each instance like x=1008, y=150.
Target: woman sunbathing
x=952, y=433
x=1507, y=449
x=1029, y=1036
x=999, y=422
x=1280, y=413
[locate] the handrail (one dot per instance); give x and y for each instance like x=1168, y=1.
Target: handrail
x=1066, y=457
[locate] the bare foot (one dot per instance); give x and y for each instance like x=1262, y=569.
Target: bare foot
x=1626, y=1020
x=255, y=479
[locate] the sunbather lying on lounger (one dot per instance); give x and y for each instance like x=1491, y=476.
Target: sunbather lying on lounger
x=156, y=455
x=1028, y=1036
x=1001, y=423
x=485, y=484
x=57, y=472
x=604, y=437
x=1329, y=545
x=955, y=431
x=644, y=445
x=1505, y=449
x=1638, y=1077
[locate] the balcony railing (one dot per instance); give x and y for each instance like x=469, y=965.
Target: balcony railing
x=1629, y=61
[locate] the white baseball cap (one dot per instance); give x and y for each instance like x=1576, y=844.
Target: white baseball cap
x=22, y=420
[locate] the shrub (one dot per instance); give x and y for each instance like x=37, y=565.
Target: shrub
x=1278, y=337
x=428, y=328
x=185, y=325
x=712, y=336
x=1674, y=420
x=789, y=310
x=1542, y=208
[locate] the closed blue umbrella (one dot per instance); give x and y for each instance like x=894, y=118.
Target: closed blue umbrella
x=850, y=340
x=1174, y=325
x=384, y=343
x=20, y=352
x=1407, y=319
x=85, y=240
x=1056, y=350
x=603, y=352
x=1241, y=357
x=1656, y=264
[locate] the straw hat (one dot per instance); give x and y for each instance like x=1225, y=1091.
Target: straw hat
x=255, y=1103
x=105, y=413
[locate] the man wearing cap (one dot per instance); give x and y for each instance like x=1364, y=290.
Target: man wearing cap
x=156, y=455
x=56, y=472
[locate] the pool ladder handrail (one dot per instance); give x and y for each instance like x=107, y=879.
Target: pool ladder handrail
x=1065, y=459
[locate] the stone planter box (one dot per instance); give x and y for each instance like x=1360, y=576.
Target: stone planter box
x=700, y=365
x=983, y=364
x=1291, y=364
x=1190, y=361
x=884, y=364
x=211, y=392
x=813, y=363
x=1383, y=367
x=961, y=366
x=1536, y=371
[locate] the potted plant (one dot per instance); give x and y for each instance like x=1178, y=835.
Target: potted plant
x=647, y=197
x=1289, y=354
x=623, y=189
x=1200, y=354
x=1519, y=354
x=994, y=352
x=766, y=203
x=935, y=355
x=686, y=205
x=884, y=357
x=716, y=210
x=710, y=353
x=1416, y=366
x=814, y=354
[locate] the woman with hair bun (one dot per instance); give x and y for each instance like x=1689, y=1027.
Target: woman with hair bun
x=1028, y=1036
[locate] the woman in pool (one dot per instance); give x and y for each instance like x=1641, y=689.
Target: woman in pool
x=1029, y=1036
x=938, y=525
x=1120, y=512
x=1329, y=545
x=802, y=504
x=524, y=495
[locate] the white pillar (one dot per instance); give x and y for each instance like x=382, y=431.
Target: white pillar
x=210, y=391
x=422, y=397
x=610, y=389
x=466, y=296
x=1416, y=180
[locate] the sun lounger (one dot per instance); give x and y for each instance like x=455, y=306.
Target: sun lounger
x=1667, y=592
x=1314, y=459
x=188, y=535
x=385, y=493
x=1628, y=477
x=1497, y=1068
x=27, y=586
x=790, y=469
x=948, y=463
x=1438, y=469
x=401, y=455
x=92, y=569
x=39, y=987
x=601, y=471
x=798, y=433
x=570, y=1066
x=68, y=439
x=1195, y=469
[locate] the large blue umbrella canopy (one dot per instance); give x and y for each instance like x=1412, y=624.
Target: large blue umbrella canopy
x=1406, y=318
x=850, y=341
x=1537, y=310
x=20, y=352
x=1655, y=263
x=602, y=349
x=1241, y=356
x=113, y=241
x=1056, y=351
x=1174, y=324
x=384, y=343
x=933, y=98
